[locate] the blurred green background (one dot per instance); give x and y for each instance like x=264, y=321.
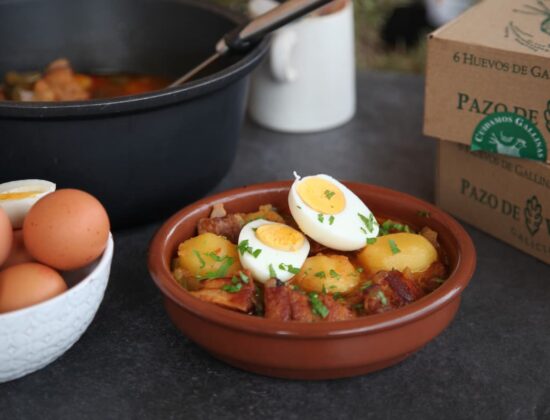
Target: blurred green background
x=372, y=53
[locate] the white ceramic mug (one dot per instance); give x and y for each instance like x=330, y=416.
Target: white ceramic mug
x=440, y=12
x=307, y=83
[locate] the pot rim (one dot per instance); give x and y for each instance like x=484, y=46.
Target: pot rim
x=447, y=292
x=149, y=100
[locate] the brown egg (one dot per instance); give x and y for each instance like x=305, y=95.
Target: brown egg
x=6, y=236
x=18, y=253
x=27, y=284
x=66, y=229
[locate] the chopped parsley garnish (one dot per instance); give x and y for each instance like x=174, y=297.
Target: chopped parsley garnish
x=423, y=213
x=243, y=248
x=390, y=225
x=385, y=228
x=236, y=284
x=317, y=307
x=338, y=296
x=366, y=285
x=299, y=207
x=331, y=220
x=289, y=267
x=292, y=269
x=296, y=288
x=393, y=247
x=245, y=279
x=232, y=288
x=368, y=221
x=221, y=271
x=214, y=256
x=329, y=194
x=360, y=269
x=321, y=274
x=324, y=290
x=371, y=241
x=320, y=217
x=198, y=255
x=383, y=299
x=439, y=280
x=334, y=274
x=272, y=272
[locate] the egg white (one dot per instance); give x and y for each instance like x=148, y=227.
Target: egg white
x=259, y=266
x=17, y=209
x=348, y=231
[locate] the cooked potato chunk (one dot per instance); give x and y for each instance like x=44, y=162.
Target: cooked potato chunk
x=398, y=251
x=209, y=255
x=333, y=273
x=267, y=212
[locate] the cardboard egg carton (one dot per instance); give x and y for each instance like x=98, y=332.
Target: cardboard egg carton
x=488, y=101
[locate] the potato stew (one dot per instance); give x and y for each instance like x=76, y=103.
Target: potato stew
x=327, y=259
x=59, y=82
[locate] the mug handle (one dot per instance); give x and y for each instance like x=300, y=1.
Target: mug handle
x=282, y=48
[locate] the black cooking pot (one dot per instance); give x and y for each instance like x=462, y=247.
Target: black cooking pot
x=145, y=155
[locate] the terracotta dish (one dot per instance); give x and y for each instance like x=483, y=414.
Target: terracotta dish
x=322, y=350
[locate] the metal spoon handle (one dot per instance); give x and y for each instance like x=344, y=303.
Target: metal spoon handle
x=245, y=36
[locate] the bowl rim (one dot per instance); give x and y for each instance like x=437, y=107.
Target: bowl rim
x=105, y=259
x=448, y=291
x=152, y=99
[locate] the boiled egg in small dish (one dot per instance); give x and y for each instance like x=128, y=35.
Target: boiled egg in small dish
x=272, y=250
x=17, y=197
x=329, y=213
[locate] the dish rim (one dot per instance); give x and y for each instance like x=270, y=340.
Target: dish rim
x=456, y=282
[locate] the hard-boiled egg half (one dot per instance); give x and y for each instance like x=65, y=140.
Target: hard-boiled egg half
x=17, y=197
x=328, y=212
x=272, y=250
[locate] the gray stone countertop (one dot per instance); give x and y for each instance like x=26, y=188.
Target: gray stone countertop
x=493, y=362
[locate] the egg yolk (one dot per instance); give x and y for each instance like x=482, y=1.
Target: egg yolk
x=280, y=237
x=321, y=195
x=18, y=195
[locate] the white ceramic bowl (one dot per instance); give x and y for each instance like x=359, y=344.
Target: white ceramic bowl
x=33, y=337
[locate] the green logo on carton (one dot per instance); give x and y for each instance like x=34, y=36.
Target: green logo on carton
x=509, y=134
x=542, y=10
x=533, y=215
x=523, y=35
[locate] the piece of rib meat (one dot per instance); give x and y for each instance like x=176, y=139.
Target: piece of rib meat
x=59, y=83
x=212, y=292
x=229, y=226
x=337, y=310
x=301, y=310
x=277, y=302
x=390, y=290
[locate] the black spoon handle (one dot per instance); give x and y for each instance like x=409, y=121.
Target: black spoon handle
x=247, y=35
